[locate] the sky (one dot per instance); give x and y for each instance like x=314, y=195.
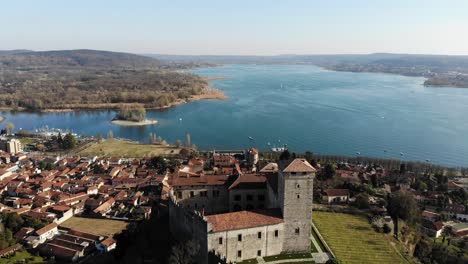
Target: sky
x=237, y=27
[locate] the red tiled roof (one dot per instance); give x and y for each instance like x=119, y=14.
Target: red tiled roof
x=299, y=165
x=244, y=219
x=249, y=181
x=337, y=192
x=46, y=228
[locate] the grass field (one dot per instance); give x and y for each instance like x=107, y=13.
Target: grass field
x=353, y=240
x=22, y=257
x=104, y=227
x=126, y=149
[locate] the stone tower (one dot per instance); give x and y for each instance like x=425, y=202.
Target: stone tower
x=295, y=194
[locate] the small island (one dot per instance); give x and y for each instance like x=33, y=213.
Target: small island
x=132, y=116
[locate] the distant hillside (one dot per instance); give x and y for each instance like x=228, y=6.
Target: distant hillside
x=76, y=79
x=440, y=70
x=80, y=58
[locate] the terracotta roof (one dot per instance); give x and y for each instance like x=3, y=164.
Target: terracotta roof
x=249, y=181
x=200, y=180
x=244, y=219
x=108, y=242
x=299, y=165
x=270, y=167
x=46, y=228
x=337, y=192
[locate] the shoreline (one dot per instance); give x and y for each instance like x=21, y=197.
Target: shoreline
x=2, y=118
x=208, y=94
x=133, y=123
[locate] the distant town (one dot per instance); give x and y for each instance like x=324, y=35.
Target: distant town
x=71, y=199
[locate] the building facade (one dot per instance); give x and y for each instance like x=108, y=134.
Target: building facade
x=252, y=215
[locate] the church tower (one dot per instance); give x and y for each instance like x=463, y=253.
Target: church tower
x=296, y=193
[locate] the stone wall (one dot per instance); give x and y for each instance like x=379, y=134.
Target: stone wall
x=268, y=244
x=250, y=199
x=185, y=224
x=297, y=212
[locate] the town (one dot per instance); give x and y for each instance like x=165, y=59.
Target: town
x=228, y=206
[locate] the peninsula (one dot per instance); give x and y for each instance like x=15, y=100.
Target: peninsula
x=68, y=80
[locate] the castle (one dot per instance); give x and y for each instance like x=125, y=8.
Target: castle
x=243, y=215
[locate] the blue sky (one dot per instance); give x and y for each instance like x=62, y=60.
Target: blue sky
x=262, y=27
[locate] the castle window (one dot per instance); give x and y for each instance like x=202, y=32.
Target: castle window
x=298, y=196
x=276, y=233
x=293, y=173
x=239, y=254
x=179, y=195
x=237, y=198
x=239, y=237
x=192, y=194
x=259, y=253
x=261, y=197
x=249, y=197
x=298, y=186
x=259, y=235
x=297, y=231
x=220, y=240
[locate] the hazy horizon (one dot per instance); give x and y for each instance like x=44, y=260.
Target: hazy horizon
x=239, y=28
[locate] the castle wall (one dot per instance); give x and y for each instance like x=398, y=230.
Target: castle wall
x=268, y=244
x=249, y=199
x=185, y=224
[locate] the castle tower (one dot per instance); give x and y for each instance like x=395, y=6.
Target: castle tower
x=295, y=188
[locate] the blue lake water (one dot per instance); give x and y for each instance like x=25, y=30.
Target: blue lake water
x=305, y=107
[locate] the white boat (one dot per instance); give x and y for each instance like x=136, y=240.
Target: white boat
x=251, y=138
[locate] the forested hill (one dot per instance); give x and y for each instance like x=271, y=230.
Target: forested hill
x=77, y=79
x=77, y=58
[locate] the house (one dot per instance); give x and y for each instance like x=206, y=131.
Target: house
x=431, y=216
x=107, y=245
x=432, y=229
x=336, y=196
x=47, y=232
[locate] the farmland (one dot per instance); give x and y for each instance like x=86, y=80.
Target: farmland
x=353, y=240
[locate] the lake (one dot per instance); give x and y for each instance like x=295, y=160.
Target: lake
x=305, y=107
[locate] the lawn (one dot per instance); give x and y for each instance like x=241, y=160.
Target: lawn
x=22, y=257
x=288, y=256
x=353, y=240
x=104, y=227
x=126, y=149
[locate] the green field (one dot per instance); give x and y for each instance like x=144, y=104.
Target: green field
x=22, y=257
x=104, y=227
x=126, y=149
x=352, y=239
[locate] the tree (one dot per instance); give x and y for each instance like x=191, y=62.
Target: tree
x=69, y=141
x=285, y=155
x=402, y=205
x=184, y=253
x=110, y=134
x=60, y=140
x=9, y=127
x=329, y=171
x=362, y=201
